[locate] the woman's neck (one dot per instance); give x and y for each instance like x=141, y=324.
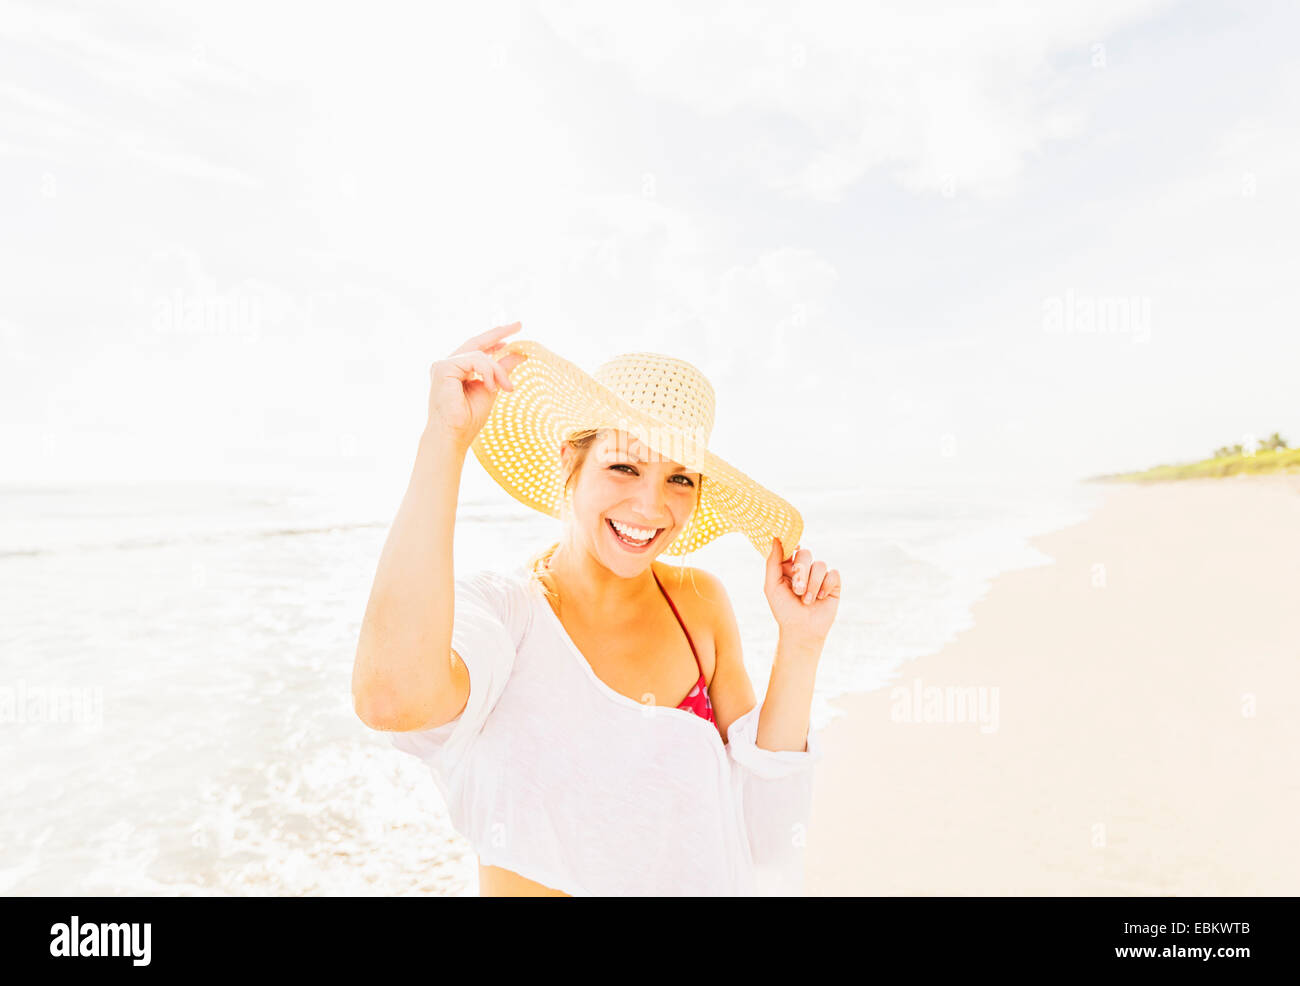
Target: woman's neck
x=585, y=584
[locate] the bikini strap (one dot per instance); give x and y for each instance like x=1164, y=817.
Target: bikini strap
x=694, y=652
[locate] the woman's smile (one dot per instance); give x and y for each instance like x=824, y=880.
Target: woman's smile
x=632, y=537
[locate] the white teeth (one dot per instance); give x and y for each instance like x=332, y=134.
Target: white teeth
x=634, y=533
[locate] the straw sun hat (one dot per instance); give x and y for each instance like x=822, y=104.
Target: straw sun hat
x=665, y=403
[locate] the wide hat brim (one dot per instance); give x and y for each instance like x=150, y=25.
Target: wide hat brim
x=552, y=398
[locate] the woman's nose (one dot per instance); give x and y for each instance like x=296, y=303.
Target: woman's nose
x=652, y=503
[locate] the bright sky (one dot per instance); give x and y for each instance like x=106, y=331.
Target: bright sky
x=902, y=240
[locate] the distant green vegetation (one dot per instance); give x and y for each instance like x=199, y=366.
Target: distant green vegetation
x=1269, y=456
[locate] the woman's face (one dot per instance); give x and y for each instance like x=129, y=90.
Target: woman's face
x=629, y=502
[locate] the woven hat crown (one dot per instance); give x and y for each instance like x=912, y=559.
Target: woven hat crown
x=671, y=390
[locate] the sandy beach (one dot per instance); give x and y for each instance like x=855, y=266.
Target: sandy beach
x=1139, y=732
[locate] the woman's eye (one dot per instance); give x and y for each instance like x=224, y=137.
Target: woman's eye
x=685, y=480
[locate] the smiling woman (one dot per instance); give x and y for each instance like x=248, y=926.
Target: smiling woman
x=547, y=700
x=636, y=497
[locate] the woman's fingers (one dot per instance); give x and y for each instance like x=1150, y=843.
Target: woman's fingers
x=467, y=364
x=816, y=574
x=499, y=374
x=787, y=568
x=490, y=339
x=811, y=580
x=799, y=566
x=791, y=568
x=507, y=363
x=481, y=363
x=495, y=373
x=830, y=585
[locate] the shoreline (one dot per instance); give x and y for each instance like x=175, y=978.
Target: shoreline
x=1123, y=721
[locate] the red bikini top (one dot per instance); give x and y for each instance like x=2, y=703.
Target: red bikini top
x=697, y=699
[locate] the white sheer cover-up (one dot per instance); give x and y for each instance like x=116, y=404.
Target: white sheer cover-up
x=551, y=773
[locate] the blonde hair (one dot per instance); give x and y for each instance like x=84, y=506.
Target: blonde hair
x=581, y=442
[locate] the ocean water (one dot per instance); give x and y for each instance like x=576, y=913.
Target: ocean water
x=175, y=669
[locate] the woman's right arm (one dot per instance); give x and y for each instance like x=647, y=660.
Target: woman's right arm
x=405, y=675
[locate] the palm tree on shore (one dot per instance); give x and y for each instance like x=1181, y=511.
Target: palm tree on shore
x=1274, y=443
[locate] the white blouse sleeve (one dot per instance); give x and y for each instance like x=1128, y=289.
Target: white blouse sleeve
x=774, y=789
x=489, y=621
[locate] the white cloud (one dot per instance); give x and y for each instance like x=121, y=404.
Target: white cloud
x=942, y=94
x=849, y=217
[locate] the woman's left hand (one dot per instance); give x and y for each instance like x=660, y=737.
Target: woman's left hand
x=789, y=583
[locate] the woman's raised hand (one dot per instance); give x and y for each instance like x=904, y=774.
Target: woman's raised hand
x=463, y=386
x=804, y=596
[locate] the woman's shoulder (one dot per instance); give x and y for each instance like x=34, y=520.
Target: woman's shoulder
x=502, y=576
x=696, y=588
x=507, y=591
x=685, y=575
